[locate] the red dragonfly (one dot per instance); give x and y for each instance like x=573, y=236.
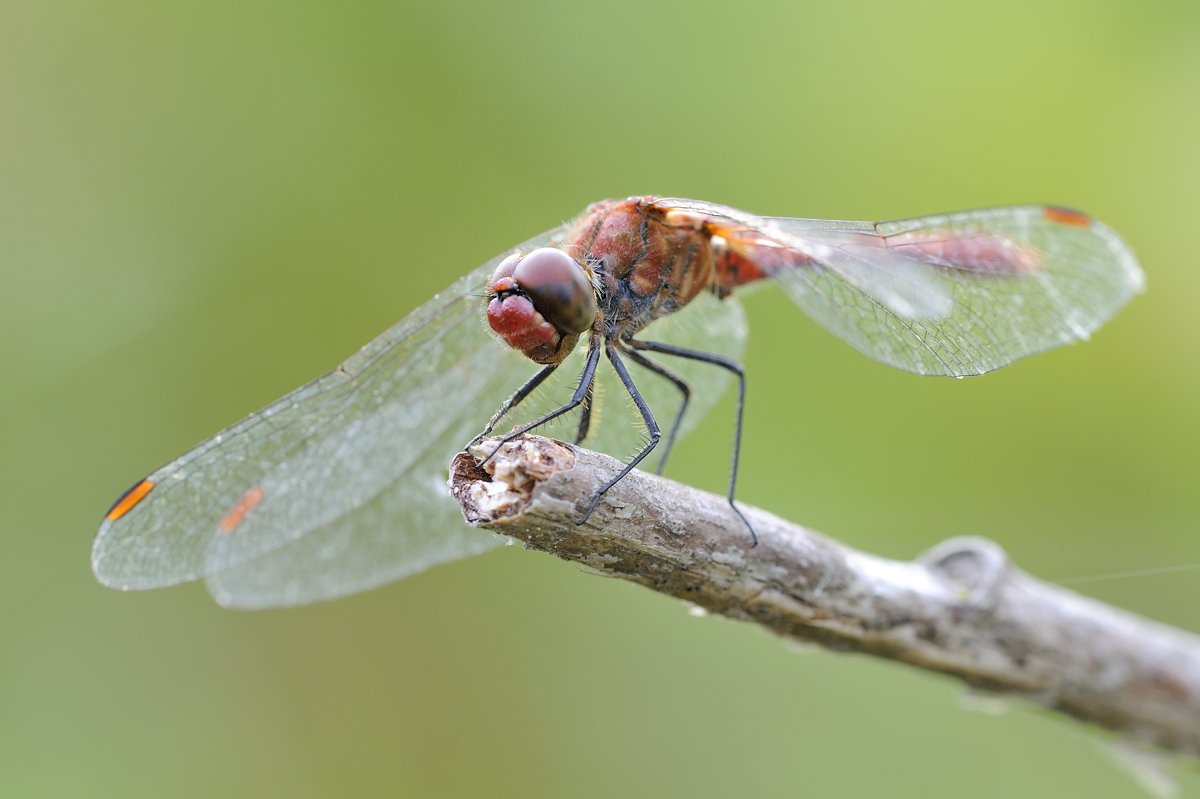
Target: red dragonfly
x=340, y=485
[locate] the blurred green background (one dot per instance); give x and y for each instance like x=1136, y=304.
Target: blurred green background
x=204, y=205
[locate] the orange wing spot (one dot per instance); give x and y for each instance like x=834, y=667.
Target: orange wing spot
x=130, y=498
x=1065, y=216
x=237, y=514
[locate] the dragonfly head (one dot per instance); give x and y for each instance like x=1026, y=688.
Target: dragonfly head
x=540, y=303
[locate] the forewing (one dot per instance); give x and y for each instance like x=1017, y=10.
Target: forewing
x=956, y=294
x=340, y=486
x=336, y=487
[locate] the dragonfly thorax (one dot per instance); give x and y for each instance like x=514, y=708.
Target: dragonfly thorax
x=647, y=265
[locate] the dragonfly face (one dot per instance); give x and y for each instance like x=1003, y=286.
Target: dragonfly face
x=539, y=303
x=339, y=486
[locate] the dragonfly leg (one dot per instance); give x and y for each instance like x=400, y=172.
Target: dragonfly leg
x=610, y=349
x=512, y=402
x=736, y=369
x=585, y=416
x=581, y=391
x=684, y=390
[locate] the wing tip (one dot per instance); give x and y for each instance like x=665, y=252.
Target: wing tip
x=1126, y=259
x=113, y=569
x=107, y=576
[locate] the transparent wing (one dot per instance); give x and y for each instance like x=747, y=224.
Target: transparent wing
x=316, y=463
x=955, y=294
x=340, y=486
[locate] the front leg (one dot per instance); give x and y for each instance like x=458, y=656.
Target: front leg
x=520, y=394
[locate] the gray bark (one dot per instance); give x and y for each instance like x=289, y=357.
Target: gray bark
x=961, y=609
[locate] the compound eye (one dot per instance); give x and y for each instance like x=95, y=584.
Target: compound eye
x=558, y=288
x=505, y=268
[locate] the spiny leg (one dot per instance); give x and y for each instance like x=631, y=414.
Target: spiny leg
x=679, y=383
x=736, y=368
x=585, y=415
x=520, y=394
x=610, y=349
x=585, y=385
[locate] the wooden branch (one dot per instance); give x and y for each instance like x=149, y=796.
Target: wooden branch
x=961, y=608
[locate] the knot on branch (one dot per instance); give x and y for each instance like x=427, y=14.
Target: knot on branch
x=974, y=569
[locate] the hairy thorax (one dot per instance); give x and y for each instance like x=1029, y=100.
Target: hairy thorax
x=646, y=265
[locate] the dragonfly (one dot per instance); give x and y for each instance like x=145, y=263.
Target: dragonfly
x=340, y=486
